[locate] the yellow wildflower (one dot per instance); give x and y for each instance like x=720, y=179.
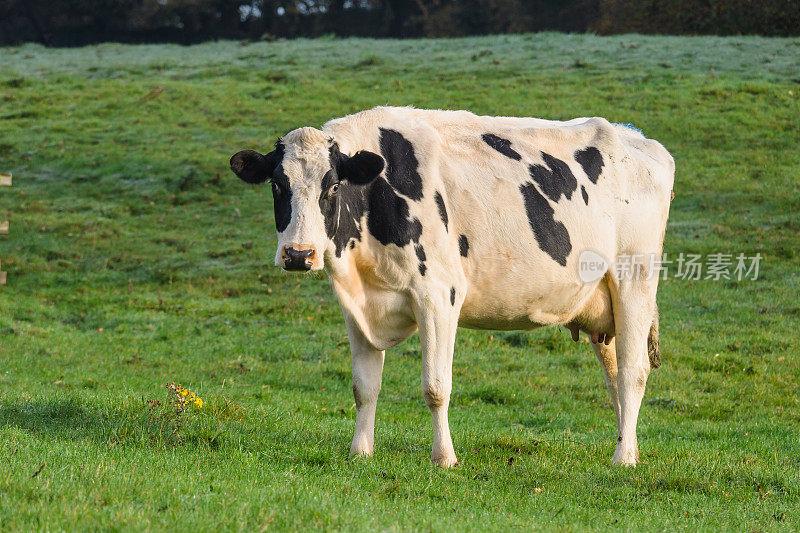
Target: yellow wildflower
x=183, y=397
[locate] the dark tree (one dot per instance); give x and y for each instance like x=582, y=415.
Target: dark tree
x=76, y=22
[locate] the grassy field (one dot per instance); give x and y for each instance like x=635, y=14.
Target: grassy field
x=135, y=259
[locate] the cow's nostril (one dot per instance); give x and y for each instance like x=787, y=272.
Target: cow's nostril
x=301, y=258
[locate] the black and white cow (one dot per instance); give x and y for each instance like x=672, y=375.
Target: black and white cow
x=430, y=220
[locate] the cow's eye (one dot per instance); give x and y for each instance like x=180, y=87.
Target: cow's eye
x=275, y=188
x=334, y=189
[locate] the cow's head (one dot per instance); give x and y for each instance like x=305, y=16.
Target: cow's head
x=313, y=184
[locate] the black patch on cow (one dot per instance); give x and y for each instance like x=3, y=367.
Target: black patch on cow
x=401, y=164
x=420, y=251
x=281, y=198
x=388, y=218
x=387, y=213
x=452, y=296
x=585, y=195
x=343, y=207
x=556, y=181
x=342, y=210
x=501, y=145
x=442, y=209
x=592, y=162
x=551, y=235
x=463, y=245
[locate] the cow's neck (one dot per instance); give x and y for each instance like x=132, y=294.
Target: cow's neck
x=369, y=299
x=349, y=273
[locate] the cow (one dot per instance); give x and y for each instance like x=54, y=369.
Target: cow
x=427, y=220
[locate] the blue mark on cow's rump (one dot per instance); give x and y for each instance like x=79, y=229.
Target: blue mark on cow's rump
x=630, y=126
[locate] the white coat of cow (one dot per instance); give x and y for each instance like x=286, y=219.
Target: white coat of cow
x=429, y=220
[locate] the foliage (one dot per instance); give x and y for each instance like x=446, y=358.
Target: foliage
x=721, y=17
x=70, y=22
x=135, y=258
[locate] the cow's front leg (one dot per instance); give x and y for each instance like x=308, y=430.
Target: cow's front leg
x=367, y=372
x=437, y=318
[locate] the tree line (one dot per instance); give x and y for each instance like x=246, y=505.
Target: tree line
x=78, y=22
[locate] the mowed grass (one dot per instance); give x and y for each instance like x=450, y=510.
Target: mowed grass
x=135, y=259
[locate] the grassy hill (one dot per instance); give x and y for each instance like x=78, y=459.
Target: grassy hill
x=136, y=259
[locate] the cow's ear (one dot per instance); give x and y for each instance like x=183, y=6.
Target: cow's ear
x=253, y=167
x=362, y=168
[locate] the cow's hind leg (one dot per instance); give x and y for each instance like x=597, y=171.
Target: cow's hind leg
x=607, y=355
x=634, y=309
x=653, y=348
x=597, y=319
x=367, y=373
x=437, y=318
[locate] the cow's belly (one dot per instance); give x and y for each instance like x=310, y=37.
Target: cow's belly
x=524, y=289
x=520, y=304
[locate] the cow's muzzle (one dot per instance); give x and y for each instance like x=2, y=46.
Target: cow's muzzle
x=298, y=257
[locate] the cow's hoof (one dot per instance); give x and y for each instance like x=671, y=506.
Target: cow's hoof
x=446, y=461
x=629, y=457
x=364, y=453
x=624, y=462
x=361, y=450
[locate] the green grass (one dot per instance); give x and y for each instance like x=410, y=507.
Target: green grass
x=135, y=258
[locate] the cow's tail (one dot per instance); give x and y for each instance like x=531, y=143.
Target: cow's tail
x=653, y=351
